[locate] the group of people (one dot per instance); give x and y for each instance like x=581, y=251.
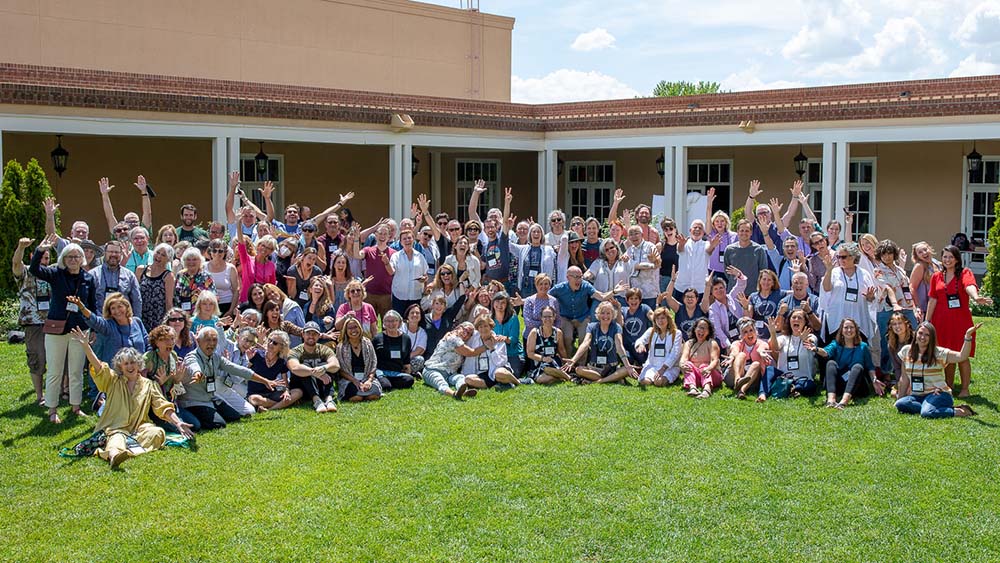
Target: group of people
x=191, y=329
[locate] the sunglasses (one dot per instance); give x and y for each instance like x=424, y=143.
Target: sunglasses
x=217, y=251
x=443, y=274
x=842, y=257
x=354, y=291
x=275, y=342
x=442, y=223
x=175, y=320
x=556, y=220
x=473, y=229
x=452, y=229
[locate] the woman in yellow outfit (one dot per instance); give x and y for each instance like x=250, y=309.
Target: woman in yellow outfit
x=130, y=397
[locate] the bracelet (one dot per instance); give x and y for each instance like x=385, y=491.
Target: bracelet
x=968, y=340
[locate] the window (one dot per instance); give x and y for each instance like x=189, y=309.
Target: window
x=251, y=181
x=467, y=172
x=718, y=174
x=860, y=192
x=589, y=188
x=980, y=204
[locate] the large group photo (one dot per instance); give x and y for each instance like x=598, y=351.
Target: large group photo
x=323, y=311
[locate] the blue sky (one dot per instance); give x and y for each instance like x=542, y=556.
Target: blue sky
x=602, y=49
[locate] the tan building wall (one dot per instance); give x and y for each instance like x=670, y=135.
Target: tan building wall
x=394, y=46
x=180, y=171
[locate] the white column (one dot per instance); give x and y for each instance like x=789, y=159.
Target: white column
x=668, y=182
x=829, y=167
x=841, y=177
x=542, y=179
x=680, y=187
x=406, y=195
x=233, y=162
x=3, y=162
x=551, y=183
x=436, y=182
x=219, y=180
x=395, y=181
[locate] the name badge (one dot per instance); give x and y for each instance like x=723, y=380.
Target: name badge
x=395, y=354
x=759, y=325
x=111, y=290
x=917, y=384
x=852, y=295
x=492, y=262
x=303, y=295
x=734, y=333
x=483, y=363
x=532, y=273
x=602, y=360
x=954, y=302
x=907, y=295
x=210, y=384
x=430, y=271
x=359, y=376
x=186, y=306
x=793, y=362
x=43, y=305
x=228, y=381
x=549, y=350
x=660, y=350
x=72, y=308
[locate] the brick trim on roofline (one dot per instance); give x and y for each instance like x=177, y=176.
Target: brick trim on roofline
x=97, y=89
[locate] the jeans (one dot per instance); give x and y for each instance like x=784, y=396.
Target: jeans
x=211, y=418
x=882, y=320
x=664, y=282
x=182, y=414
x=928, y=406
x=312, y=387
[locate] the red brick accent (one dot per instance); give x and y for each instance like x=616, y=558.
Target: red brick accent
x=50, y=86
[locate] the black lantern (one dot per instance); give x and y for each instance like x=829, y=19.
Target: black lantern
x=801, y=163
x=261, y=161
x=660, y=162
x=975, y=159
x=414, y=165
x=559, y=167
x=59, y=157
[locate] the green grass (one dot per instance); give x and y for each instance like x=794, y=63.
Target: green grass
x=535, y=474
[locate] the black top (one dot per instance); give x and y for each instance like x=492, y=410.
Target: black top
x=393, y=352
x=668, y=258
x=259, y=366
x=64, y=284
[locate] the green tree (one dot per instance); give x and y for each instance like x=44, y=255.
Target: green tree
x=22, y=213
x=685, y=88
x=991, y=281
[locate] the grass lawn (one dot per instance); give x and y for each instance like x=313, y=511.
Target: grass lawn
x=534, y=474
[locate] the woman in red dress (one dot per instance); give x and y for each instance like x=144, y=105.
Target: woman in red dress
x=949, y=312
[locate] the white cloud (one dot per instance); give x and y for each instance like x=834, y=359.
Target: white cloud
x=972, y=66
x=901, y=46
x=830, y=32
x=749, y=79
x=566, y=85
x=593, y=40
x=981, y=26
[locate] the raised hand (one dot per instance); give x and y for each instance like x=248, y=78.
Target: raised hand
x=619, y=195
x=827, y=259
x=267, y=189
x=735, y=272
x=796, y=189
x=344, y=198
x=102, y=184
x=50, y=205
x=48, y=242
x=508, y=195
x=710, y=194
x=234, y=180
x=24, y=242
x=755, y=189
x=480, y=186
x=775, y=207
x=79, y=336
x=140, y=184
x=414, y=211
x=744, y=300
x=423, y=202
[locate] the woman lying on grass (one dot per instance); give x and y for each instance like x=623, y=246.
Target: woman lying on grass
x=922, y=386
x=130, y=397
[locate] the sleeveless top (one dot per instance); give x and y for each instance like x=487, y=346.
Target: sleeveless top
x=154, y=299
x=223, y=285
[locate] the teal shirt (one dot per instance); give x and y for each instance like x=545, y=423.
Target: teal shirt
x=511, y=329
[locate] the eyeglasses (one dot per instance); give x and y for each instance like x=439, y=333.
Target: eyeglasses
x=453, y=229
x=275, y=342
x=574, y=276
x=354, y=291
x=555, y=220
x=442, y=223
x=217, y=251
x=473, y=229
x=842, y=257
x=176, y=320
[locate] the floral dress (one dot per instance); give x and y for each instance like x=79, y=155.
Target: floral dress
x=187, y=285
x=154, y=298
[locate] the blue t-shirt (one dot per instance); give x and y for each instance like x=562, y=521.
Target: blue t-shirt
x=635, y=325
x=763, y=309
x=602, y=345
x=574, y=305
x=496, y=258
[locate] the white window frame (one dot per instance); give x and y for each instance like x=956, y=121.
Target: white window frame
x=816, y=203
x=970, y=258
x=491, y=198
x=813, y=189
x=702, y=187
x=591, y=187
x=277, y=197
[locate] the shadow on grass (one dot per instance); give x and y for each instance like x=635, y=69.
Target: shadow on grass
x=979, y=402
x=43, y=427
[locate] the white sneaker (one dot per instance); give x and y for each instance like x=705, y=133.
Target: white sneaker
x=319, y=405
x=331, y=406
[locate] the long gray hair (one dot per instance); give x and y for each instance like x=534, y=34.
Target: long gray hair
x=126, y=355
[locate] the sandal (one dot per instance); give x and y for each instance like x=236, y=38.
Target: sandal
x=839, y=406
x=831, y=404
x=741, y=395
x=965, y=409
x=693, y=392
x=703, y=395
x=54, y=418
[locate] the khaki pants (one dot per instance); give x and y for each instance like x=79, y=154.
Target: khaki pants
x=58, y=349
x=568, y=327
x=381, y=303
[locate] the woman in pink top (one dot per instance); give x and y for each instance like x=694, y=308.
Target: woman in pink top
x=749, y=356
x=357, y=308
x=258, y=268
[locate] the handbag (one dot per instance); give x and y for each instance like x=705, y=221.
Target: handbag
x=781, y=387
x=87, y=447
x=53, y=326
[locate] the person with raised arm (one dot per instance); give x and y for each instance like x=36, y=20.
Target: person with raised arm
x=131, y=218
x=687, y=310
x=767, y=223
x=644, y=261
x=923, y=388
x=786, y=263
x=33, y=306
x=610, y=274
x=693, y=258
x=951, y=292
x=602, y=346
x=724, y=309
x=249, y=213
x=800, y=298
x=376, y=259
x=80, y=231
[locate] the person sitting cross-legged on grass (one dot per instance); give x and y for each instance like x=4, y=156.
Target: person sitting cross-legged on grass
x=700, y=360
x=441, y=370
x=923, y=388
x=850, y=363
x=749, y=357
x=313, y=363
x=357, y=380
x=607, y=359
x=492, y=367
x=794, y=360
x=545, y=349
x=129, y=400
x=661, y=344
x=271, y=364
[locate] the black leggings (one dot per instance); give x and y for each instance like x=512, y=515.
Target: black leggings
x=401, y=381
x=855, y=384
x=312, y=387
x=214, y=417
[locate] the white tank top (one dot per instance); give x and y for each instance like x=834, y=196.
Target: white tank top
x=223, y=286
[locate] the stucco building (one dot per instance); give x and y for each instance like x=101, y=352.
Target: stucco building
x=184, y=91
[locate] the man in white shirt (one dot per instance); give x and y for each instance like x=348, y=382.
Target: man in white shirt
x=642, y=256
x=692, y=261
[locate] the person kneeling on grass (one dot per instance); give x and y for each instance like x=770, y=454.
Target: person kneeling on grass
x=607, y=360
x=357, y=381
x=700, y=360
x=795, y=364
x=130, y=398
x=663, y=342
x=492, y=366
x=749, y=357
x=850, y=363
x=312, y=363
x=923, y=388
x=441, y=370
x=272, y=365
x=545, y=349
x=206, y=372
